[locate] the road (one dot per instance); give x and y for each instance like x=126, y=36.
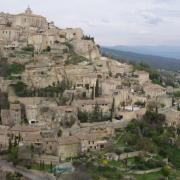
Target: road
x=31, y=174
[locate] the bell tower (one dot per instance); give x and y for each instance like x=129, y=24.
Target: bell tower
x=28, y=10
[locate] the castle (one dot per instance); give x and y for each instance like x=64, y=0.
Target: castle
x=26, y=28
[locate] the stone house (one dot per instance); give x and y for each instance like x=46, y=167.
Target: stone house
x=88, y=105
x=172, y=116
x=4, y=141
x=68, y=147
x=31, y=113
x=108, y=86
x=118, y=69
x=164, y=100
x=15, y=113
x=65, y=112
x=143, y=76
x=10, y=34
x=45, y=145
x=24, y=131
x=90, y=142
x=103, y=129
x=122, y=96
x=41, y=41
x=129, y=115
x=34, y=139
x=4, y=84
x=73, y=33
x=6, y=118
x=50, y=145
x=58, y=49
x=154, y=90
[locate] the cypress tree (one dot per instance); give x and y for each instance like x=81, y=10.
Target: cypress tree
x=112, y=109
x=97, y=92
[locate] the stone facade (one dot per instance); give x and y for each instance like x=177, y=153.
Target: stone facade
x=6, y=118
x=15, y=113
x=154, y=90
x=142, y=76
x=28, y=19
x=32, y=113
x=68, y=147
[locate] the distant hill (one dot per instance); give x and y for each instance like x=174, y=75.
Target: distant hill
x=163, y=51
x=155, y=61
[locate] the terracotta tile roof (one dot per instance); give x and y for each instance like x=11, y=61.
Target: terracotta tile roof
x=68, y=140
x=24, y=129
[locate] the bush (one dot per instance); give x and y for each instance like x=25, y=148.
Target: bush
x=28, y=48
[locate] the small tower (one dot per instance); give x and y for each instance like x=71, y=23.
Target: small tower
x=28, y=10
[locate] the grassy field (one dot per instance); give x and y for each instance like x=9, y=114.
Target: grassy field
x=151, y=176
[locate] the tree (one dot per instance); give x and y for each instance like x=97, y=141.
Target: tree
x=173, y=101
x=32, y=150
x=166, y=171
x=96, y=114
x=123, y=104
x=10, y=145
x=178, y=107
x=82, y=116
x=13, y=155
x=97, y=89
x=92, y=95
x=48, y=49
x=51, y=167
x=112, y=109
x=59, y=134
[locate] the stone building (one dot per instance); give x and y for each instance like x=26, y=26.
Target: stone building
x=172, y=116
x=31, y=113
x=6, y=118
x=4, y=142
x=24, y=131
x=91, y=142
x=15, y=113
x=28, y=19
x=68, y=147
x=65, y=112
x=143, y=76
x=88, y=105
x=154, y=90
x=73, y=33
x=9, y=34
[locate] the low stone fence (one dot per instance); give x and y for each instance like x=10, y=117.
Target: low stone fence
x=130, y=155
x=147, y=171
x=47, y=159
x=114, y=156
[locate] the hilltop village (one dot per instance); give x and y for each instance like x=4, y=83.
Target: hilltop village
x=60, y=98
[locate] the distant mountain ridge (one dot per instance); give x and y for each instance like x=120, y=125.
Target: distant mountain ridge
x=155, y=61
x=163, y=51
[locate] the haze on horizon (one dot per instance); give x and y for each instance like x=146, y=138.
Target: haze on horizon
x=124, y=22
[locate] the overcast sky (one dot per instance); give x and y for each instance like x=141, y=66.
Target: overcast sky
x=111, y=22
